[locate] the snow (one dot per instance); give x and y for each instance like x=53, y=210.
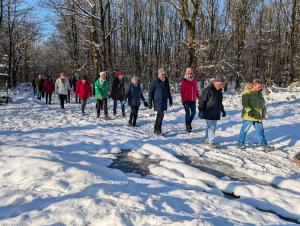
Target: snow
x=54, y=167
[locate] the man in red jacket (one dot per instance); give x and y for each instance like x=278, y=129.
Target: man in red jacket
x=189, y=95
x=48, y=88
x=84, y=91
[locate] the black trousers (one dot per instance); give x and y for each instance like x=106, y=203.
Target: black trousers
x=68, y=99
x=48, y=98
x=83, y=104
x=62, y=99
x=34, y=89
x=158, y=122
x=133, y=114
x=102, y=104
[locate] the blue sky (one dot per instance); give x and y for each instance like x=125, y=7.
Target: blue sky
x=44, y=17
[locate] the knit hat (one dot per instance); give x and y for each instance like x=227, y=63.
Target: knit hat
x=119, y=74
x=218, y=79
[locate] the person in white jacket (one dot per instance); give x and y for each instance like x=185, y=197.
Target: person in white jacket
x=62, y=86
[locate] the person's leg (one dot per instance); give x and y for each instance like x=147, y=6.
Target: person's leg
x=243, y=132
x=211, y=130
x=61, y=99
x=187, y=113
x=123, y=107
x=47, y=95
x=193, y=112
x=105, y=107
x=131, y=114
x=135, y=115
x=115, y=107
x=98, y=107
x=159, y=122
x=260, y=134
x=50, y=98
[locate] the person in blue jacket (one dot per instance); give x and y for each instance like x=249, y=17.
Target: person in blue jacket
x=159, y=94
x=134, y=94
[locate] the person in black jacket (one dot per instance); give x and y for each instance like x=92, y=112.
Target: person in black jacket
x=134, y=95
x=33, y=84
x=210, y=109
x=75, y=79
x=40, y=87
x=118, y=93
x=159, y=94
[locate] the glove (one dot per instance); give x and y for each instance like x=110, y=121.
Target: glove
x=150, y=105
x=170, y=103
x=146, y=104
x=223, y=114
x=251, y=114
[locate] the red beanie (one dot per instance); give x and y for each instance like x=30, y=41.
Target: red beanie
x=119, y=74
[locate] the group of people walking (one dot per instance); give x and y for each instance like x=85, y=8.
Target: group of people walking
x=210, y=106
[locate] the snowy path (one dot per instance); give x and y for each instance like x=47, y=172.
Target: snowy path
x=54, y=168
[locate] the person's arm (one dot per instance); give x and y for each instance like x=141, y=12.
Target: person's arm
x=245, y=102
x=169, y=93
x=197, y=91
x=142, y=95
x=182, y=90
x=127, y=93
x=56, y=87
x=203, y=100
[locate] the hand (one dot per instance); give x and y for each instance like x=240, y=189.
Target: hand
x=223, y=114
x=150, y=105
x=251, y=114
x=170, y=103
x=146, y=104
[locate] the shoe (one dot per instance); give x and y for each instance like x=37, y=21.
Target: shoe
x=205, y=142
x=212, y=146
x=123, y=115
x=159, y=133
x=98, y=115
x=106, y=117
x=188, y=128
x=241, y=146
x=265, y=148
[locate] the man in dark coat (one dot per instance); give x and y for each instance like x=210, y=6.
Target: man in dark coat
x=210, y=109
x=159, y=94
x=75, y=79
x=33, y=84
x=40, y=87
x=118, y=93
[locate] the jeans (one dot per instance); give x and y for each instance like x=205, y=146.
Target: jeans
x=190, y=112
x=102, y=104
x=83, y=104
x=133, y=115
x=34, y=89
x=62, y=99
x=158, y=122
x=210, y=131
x=259, y=132
x=122, y=106
x=48, y=98
x=39, y=95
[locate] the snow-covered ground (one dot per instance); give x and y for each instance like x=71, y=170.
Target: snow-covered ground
x=54, y=167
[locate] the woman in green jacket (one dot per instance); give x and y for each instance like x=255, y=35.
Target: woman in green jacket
x=254, y=111
x=102, y=87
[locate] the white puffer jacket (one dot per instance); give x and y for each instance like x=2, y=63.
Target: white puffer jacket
x=62, y=87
